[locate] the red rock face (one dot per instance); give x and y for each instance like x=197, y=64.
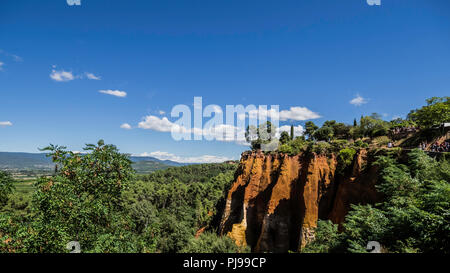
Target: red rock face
x=276, y=200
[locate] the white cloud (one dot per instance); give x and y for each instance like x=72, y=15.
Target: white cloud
x=64, y=76
x=298, y=113
x=91, y=76
x=6, y=123
x=221, y=132
x=161, y=112
x=117, y=93
x=294, y=113
x=194, y=159
x=1, y=65
x=125, y=126
x=358, y=100
x=160, y=125
x=298, y=130
x=61, y=76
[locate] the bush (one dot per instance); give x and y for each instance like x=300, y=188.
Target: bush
x=326, y=238
x=6, y=186
x=339, y=144
x=381, y=140
x=294, y=146
x=320, y=148
x=345, y=158
x=211, y=243
x=286, y=148
x=361, y=144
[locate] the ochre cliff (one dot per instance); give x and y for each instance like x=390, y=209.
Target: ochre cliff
x=276, y=199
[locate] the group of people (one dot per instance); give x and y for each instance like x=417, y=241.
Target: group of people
x=403, y=130
x=443, y=147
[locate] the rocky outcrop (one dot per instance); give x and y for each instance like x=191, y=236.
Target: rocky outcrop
x=276, y=199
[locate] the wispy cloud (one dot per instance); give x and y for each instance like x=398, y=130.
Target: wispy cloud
x=161, y=112
x=91, y=76
x=125, y=126
x=65, y=76
x=61, y=76
x=1, y=65
x=14, y=57
x=5, y=123
x=192, y=159
x=358, y=100
x=117, y=93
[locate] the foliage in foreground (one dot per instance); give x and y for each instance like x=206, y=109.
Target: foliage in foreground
x=96, y=199
x=211, y=243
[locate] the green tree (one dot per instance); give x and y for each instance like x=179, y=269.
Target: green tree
x=341, y=131
x=83, y=201
x=262, y=134
x=345, y=158
x=373, y=126
x=284, y=137
x=436, y=111
x=310, y=129
x=6, y=186
x=325, y=133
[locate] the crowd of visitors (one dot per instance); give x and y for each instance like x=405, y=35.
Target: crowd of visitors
x=404, y=130
x=443, y=147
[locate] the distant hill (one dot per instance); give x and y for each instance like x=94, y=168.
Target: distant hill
x=38, y=161
x=25, y=161
x=149, y=158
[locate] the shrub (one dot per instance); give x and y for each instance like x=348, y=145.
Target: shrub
x=361, y=144
x=339, y=144
x=326, y=238
x=381, y=140
x=211, y=243
x=286, y=148
x=345, y=158
x=320, y=147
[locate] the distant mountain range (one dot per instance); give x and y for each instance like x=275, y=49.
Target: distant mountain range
x=39, y=161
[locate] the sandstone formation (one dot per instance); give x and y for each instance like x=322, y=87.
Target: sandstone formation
x=276, y=199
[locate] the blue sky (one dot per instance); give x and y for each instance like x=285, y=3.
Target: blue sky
x=315, y=54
